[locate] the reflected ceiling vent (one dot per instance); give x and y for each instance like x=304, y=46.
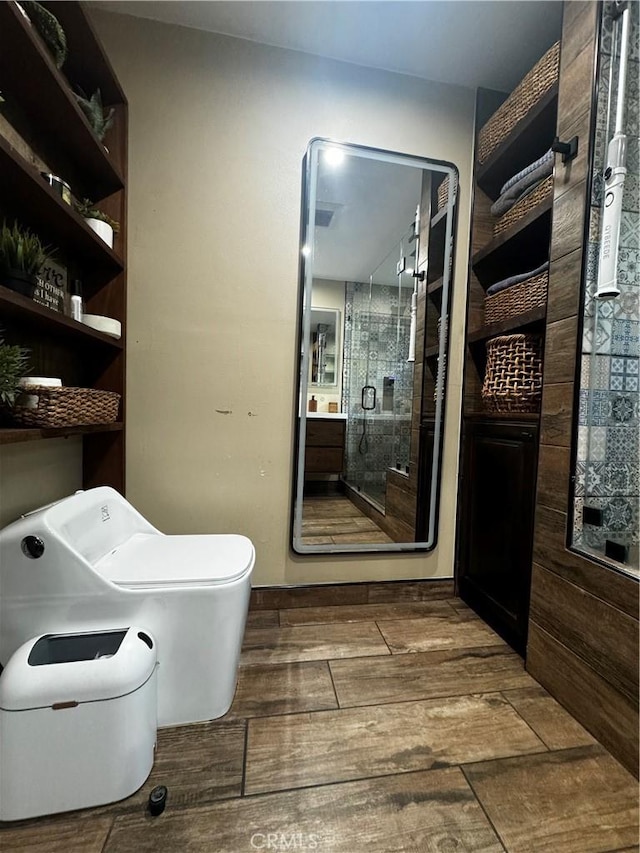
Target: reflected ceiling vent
x=326, y=213
x=323, y=217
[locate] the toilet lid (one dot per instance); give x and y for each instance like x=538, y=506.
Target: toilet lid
x=156, y=560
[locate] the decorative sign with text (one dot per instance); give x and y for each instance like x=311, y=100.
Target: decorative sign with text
x=52, y=286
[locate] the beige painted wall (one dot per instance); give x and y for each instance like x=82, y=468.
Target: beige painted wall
x=37, y=472
x=218, y=129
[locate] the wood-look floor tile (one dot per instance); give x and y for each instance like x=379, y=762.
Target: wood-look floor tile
x=365, y=612
x=333, y=746
x=282, y=688
x=427, y=675
x=263, y=619
x=55, y=835
x=317, y=595
x=312, y=642
x=397, y=591
x=372, y=537
x=433, y=811
x=574, y=801
x=330, y=508
x=549, y=720
x=330, y=527
x=445, y=630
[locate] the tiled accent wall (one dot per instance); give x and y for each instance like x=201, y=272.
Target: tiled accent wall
x=376, y=345
x=607, y=457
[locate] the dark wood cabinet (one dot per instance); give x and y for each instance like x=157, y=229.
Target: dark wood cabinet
x=324, y=447
x=497, y=523
x=42, y=128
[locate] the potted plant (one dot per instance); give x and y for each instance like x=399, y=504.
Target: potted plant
x=48, y=27
x=13, y=366
x=99, y=120
x=104, y=226
x=21, y=257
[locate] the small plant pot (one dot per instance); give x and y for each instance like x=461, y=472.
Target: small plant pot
x=20, y=281
x=102, y=229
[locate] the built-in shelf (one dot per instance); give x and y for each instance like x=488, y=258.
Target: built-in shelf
x=15, y=435
x=35, y=203
x=432, y=352
x=528, y=140
x=28, y=74
x=20, y=307
x=519, y=322
x=522, y=247
x=529, y=418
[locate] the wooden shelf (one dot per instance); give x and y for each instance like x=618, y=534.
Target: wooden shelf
x=15, y=435
x=28, y=75
x=39, y=317
x=432, y=352
x=529, y=418
x=529, y=139
x=523, y=246
x=36, y=204
x=521, y=321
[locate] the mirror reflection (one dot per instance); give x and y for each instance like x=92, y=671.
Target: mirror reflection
x=377, y=242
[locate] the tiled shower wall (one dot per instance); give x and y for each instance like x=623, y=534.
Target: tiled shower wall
x=376, y=345
x=607, y=453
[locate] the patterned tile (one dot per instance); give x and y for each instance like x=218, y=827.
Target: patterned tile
x=599, y=408
x=625, y=337
x=621, y=443
x=621, y=478
x=624, y=374
x=624, y=408
x=621, y=514
x=598, y=444
x=629, y=231
x=627, y=305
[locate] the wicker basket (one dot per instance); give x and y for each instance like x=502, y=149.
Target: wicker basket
x=443, y=192
x=527, y=93
x=513, y=376
x=522, y=207
x=38, y=406
x=514, y=300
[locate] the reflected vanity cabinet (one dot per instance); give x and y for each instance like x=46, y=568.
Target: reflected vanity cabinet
x=43, y=129
x=324, y=446
x=500, y=441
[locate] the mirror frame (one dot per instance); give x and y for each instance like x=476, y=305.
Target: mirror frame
x=303, y=340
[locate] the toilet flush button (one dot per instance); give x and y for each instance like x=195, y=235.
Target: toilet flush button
x=32, y=546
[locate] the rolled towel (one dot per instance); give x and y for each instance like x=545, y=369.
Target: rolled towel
x=515, y=192
x=547, y=157
x=516, y=279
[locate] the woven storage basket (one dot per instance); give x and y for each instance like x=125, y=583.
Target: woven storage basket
x=443, y=192
x=513, y=376
x=522, y=207
x=530, y=89
x=514, y=300
x=62, y=407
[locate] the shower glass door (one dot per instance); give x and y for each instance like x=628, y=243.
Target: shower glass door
x=378, y=378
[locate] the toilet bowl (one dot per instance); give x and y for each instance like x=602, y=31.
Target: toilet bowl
x=91, y=561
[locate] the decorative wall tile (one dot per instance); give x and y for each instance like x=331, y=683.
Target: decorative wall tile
x=598, y=444
x=624, y=408
x=621, y=444
x=624, y=373
x=625, y=337
x=627, y=305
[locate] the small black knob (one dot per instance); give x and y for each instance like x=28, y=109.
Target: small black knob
x=607, y=173
x=158, y=800
x=33, y=547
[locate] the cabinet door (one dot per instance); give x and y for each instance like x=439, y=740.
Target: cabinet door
x=497, y=531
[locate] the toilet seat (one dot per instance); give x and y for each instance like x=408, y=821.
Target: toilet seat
x=150, y=560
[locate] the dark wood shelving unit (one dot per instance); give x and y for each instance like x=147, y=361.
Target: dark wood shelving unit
x=15, y=435
x=26, y=311
x=437, y=237
x=528, y=140
x=39, y=207
x=46, y=126
x=71, y=148
x=499, y=449
x=519, y=322
x=523, y=246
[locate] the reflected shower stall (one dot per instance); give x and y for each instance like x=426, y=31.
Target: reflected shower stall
x=606, y=491
x=378, y=372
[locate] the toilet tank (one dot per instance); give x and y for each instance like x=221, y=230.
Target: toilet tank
x=53, y=550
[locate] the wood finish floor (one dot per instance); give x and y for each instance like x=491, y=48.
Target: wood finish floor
x=336, y=521
x=381, y=727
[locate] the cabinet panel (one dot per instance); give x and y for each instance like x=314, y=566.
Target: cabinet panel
x=497, y=523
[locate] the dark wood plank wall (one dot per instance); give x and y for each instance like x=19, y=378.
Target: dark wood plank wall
x=583, y=628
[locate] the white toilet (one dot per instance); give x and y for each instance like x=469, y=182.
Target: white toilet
x=91, y=561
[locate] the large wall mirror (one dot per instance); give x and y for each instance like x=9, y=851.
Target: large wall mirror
x=376, y=269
